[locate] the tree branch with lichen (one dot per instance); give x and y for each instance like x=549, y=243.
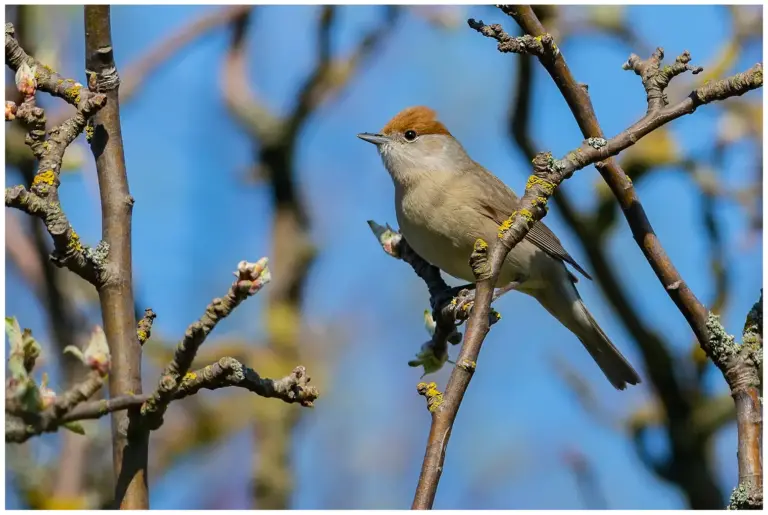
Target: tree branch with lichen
x=42, y=198
x=250, y=278
x=548, y=174
x=227, y=372
x=687, y=464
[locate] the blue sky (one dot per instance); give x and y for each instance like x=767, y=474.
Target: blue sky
x=195, y=218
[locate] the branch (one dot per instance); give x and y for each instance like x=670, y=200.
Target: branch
x=332, y=74
x=42, y=199
x=679, y=404
x=237, y=91
x=21, y=426
x=548, y=173
x=744, y=372
x=658, y=114
x=293, y=388
x=130, y=443
x=251, y=277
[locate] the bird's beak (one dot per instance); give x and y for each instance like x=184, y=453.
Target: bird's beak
x=376, y=139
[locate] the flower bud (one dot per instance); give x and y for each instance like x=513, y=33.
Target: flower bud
x=96, y=355
x=10, y=110
x=252, y=276
x=47, y=395
x=25, y=80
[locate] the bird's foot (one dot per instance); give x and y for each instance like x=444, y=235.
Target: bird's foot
x=465, y=301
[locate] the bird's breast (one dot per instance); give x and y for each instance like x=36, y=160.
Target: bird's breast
x=437, y=230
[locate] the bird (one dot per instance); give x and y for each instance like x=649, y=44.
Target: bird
x=445, y=202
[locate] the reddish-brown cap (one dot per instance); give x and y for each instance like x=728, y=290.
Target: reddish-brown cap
x=421, y=119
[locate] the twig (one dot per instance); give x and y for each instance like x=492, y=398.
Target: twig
x=144, y=330
x=227, y=372
x=251, y=277
x=548, y=173
x=20, y=426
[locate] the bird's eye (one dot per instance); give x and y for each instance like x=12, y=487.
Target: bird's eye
x=410, y=135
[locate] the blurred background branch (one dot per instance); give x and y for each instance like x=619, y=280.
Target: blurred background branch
x=274, y=141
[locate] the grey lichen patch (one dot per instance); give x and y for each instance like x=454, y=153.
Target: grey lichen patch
x=722, y=345
x=596, y=143
x=99, y=254
x=743, y=499
x=555, y=165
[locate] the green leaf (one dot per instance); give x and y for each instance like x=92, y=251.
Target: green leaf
x=13, y=331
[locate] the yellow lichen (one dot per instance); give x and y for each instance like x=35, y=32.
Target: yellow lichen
x=189, y=376
x=527, y=215
x=46, y=177
x=74, y=242
x=468, y=365
x=506, y=224
x=433, y=395
x=547, y=186
x=142, y=335
x=74, y=93
x=88, y=132
x=540, y=202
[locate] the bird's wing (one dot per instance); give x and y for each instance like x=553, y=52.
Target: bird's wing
x=498, y=202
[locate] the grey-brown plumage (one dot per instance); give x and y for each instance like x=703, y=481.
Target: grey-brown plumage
x=445, y=201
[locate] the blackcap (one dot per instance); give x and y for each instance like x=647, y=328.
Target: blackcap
x=445, y=201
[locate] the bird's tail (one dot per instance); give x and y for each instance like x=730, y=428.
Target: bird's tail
x=565, y=304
